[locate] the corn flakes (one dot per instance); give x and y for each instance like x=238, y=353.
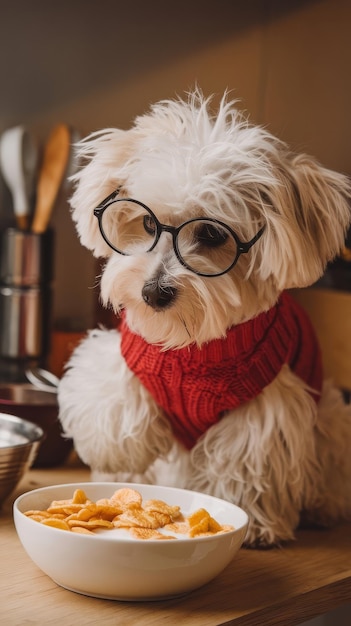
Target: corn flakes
x=125, y=509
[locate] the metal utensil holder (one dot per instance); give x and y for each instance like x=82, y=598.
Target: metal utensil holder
x=26, y=274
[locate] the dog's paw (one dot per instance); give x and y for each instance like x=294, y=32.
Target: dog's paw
x=260, y=538
x=261, y=544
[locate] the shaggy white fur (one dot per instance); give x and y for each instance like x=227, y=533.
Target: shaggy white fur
x=280, y=456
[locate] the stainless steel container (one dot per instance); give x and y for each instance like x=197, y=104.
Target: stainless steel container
x=26, y=262
x=19, y=444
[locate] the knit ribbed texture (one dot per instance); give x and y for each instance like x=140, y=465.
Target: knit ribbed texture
x=196, y=386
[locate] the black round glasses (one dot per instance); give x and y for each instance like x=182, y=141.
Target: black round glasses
x=204, y=246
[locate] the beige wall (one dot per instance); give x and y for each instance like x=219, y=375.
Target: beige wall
x=100, y=63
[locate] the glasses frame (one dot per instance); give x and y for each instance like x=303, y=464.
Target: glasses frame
x=242, y=246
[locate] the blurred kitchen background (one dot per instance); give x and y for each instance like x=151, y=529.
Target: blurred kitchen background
x=94, y=64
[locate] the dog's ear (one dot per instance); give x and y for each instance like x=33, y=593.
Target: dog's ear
x=100, y=160
x=307, y=221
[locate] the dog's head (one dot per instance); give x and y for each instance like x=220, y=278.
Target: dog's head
x=210, y=218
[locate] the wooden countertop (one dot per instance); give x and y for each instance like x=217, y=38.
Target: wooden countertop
x=282, y=587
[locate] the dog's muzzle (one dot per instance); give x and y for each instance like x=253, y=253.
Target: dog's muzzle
x=157, y=296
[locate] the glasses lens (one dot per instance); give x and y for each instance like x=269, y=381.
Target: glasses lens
x=206, y=247
x=129, y=227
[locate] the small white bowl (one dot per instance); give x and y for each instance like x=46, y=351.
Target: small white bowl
x=109, y=566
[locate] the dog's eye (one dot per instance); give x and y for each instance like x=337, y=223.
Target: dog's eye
x=211, y=235
x=149, y=225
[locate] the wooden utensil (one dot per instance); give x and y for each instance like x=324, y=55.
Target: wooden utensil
x=55, y=159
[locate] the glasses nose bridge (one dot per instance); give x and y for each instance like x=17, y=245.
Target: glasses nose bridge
x=167, y=228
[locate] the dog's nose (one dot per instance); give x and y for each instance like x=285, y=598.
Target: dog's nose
x=156, y=296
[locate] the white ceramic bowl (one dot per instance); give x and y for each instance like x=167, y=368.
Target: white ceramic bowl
x=109, y=566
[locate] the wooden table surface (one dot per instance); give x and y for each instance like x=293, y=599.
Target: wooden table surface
x=284, y=586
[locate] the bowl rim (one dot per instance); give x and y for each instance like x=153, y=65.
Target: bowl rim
x=37, y=433
x=82, y=485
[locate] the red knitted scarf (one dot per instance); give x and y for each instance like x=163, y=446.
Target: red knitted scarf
x=196, y=386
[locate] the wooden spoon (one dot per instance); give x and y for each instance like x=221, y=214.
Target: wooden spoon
x=55, y=159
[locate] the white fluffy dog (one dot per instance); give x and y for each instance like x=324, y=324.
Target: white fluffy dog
x=213, y=380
